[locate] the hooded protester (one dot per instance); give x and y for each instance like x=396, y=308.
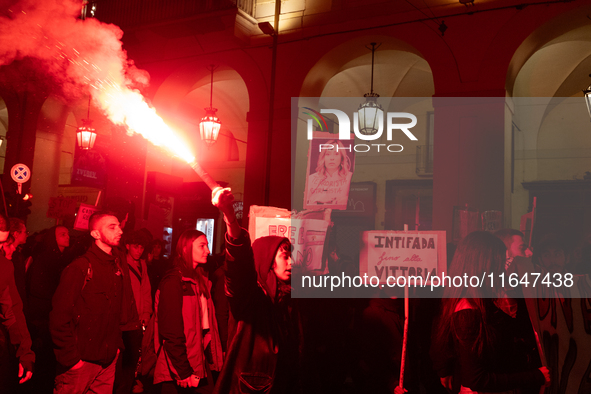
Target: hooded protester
x=263, y=352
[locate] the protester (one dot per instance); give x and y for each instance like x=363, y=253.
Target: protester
x=482, y=334
x=157, y=264
x=263, y=355
x=11, y=249
x=87, y=313
x=515, y=244
x=132, y=333
x=14, y=330
x=186, y=337
x=43, y=277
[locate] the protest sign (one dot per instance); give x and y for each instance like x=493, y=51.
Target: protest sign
x=60, y=207
x=83, y=216
x=331, y=163
x=307, y=235
x=403, y=254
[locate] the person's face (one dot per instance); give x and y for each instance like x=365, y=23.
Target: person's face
x=20, y=236
x=108, y=231
x=156, y=250
x=282, y=266
x=200, y=251
x=135, y=251
x=553, y=259
x=62, y=236
x=332, y=159
x=517, y=247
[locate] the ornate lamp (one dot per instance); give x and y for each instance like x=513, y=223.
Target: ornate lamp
x=587, y=94
x=370, y=112
x=210, y=124
x=86, y=135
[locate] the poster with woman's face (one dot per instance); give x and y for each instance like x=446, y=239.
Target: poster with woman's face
x=331, y=163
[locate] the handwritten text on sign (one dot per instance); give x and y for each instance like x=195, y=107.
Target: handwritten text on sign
x=84, y=213
x=306, y=235
x=397, y=253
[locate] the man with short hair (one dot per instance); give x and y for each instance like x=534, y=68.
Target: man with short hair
x=87, y=313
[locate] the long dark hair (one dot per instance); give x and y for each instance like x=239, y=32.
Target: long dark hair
x=183, y=260
x=478, y=253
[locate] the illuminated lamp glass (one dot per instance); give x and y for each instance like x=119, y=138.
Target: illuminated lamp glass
x=209, y=127
x=370, y=112
x=85, y=135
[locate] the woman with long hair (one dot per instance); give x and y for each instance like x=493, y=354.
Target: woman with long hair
x=477, y=329
x=186, y=336
x=330, y=183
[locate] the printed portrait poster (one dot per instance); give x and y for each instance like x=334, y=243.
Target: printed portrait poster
x=331, y=163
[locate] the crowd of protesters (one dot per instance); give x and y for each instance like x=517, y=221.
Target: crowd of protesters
x=106, y=312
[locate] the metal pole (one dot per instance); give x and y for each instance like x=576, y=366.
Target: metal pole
x=272, y=102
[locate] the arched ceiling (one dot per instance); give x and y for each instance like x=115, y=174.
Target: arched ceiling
x=558, y=69
x=396, y=74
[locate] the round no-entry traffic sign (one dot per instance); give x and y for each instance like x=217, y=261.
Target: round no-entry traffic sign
x=20, y=173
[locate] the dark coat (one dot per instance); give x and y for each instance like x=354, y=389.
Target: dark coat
x=263, y=353
x=12, y=317
x=182, y=346
x=86, y=316
x=43, y=276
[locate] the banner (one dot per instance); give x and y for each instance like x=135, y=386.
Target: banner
x=403, y=253
x=331, y=163
x=60, y=207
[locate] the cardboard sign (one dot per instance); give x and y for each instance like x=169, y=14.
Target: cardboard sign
x=60, y=207
x=306, y=235
x=329, y=172
x=83, y=216
x=403, y=253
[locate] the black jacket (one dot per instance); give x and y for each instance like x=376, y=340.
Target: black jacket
x=87, y=309
x=263, y=351
x=43, y=276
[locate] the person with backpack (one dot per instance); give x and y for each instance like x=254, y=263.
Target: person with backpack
x=87, y=313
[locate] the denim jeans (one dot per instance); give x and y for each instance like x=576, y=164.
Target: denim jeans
x=89, y=378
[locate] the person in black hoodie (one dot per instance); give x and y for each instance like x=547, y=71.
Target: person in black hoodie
x=263, y=354
x=87, y=312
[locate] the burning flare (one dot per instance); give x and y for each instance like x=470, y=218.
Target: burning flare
x=78, y=54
